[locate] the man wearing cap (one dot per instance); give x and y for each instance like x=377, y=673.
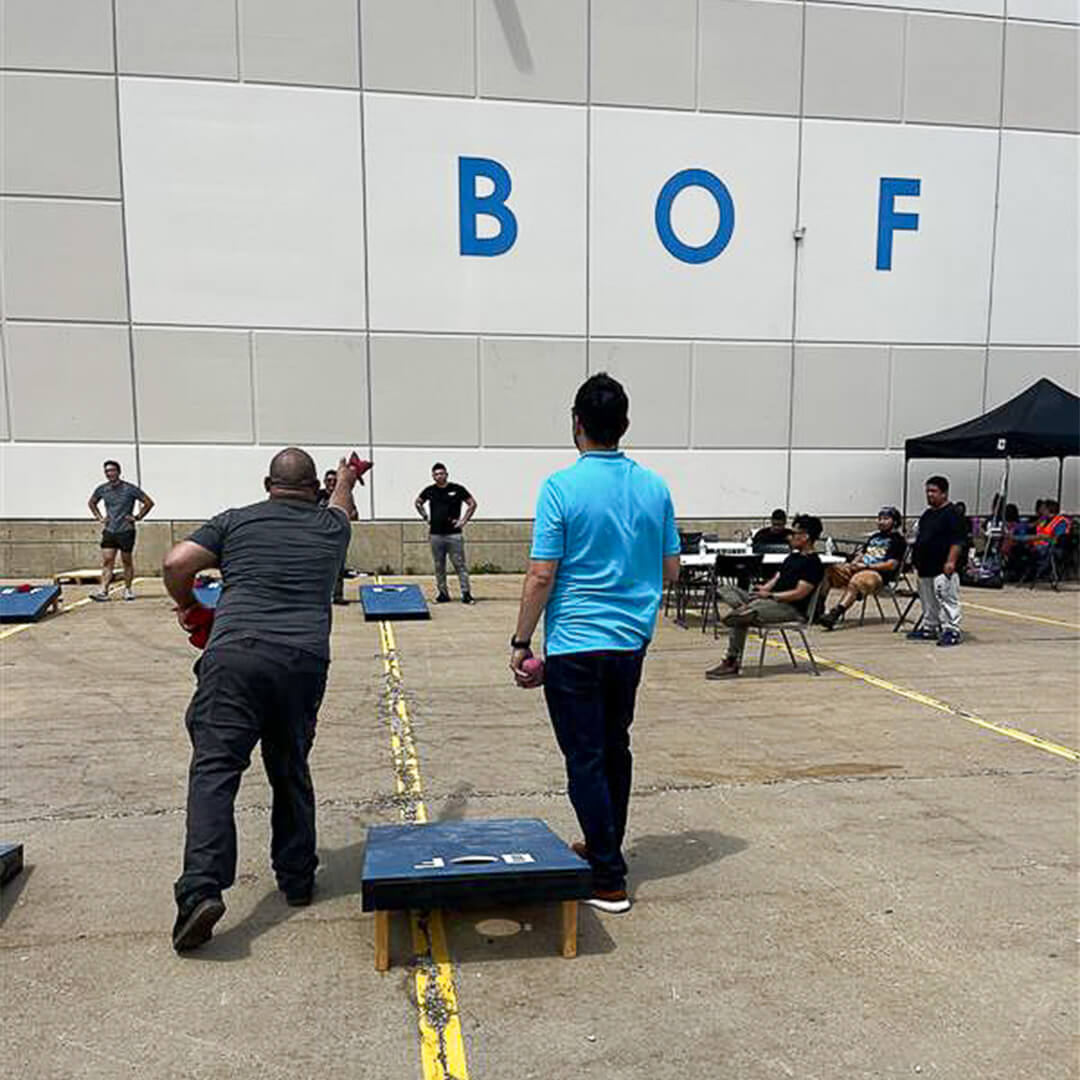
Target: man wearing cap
x=871, y=569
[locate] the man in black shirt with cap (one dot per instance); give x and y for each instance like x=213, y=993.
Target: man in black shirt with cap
x=261, y=678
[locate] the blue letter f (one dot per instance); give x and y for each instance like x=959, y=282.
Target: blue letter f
x=889, y=220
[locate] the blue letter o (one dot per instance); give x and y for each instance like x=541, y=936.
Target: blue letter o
x=716, y=187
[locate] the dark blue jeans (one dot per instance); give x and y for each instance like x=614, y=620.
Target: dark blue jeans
x=590, y=698
x=251, y=692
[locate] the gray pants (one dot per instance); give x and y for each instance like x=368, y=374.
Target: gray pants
x=940, y=597
x=454, y=546
x=761, y=612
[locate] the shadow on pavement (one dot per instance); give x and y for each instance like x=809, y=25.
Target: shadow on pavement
x=338, y=876
x=663, y=855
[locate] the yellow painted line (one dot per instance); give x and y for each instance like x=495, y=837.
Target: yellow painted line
x=442, y=1048
x=62, y=610
x=1020, y=615
x=941, y=706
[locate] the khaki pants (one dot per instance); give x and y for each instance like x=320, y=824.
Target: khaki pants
x=759, y=612
x=863, y=581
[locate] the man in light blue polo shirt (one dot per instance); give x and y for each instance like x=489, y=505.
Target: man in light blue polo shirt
x=604, y=544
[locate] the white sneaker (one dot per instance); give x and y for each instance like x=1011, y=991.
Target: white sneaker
x=129, y=594
x=101, y=595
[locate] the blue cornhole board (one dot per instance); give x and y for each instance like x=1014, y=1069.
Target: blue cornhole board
x=393, y=602
x=11, y=861
x=26, y=606
x=209, y=594
x=458, y=864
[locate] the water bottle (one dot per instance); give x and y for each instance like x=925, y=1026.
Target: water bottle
x=701, y=546
x=828, y=545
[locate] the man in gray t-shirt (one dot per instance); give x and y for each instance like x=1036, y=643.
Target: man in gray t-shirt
x=119, y=520
x=261, y=678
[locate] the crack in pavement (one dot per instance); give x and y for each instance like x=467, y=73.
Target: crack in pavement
x=406, y=803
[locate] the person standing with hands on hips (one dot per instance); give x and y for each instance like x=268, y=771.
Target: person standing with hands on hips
x=936, y=557
x=118, y=534
x=604, y=543
x=446, y=522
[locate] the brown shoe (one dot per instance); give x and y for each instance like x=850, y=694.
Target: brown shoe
x=580, y=850
x=724, y=670
x=613, y=901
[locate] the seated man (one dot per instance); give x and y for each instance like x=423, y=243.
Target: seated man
x=784, y=598
x=1051, y=526
x=774, y=535
x=869, y=571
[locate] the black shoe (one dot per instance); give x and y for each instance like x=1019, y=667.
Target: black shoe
x=340, y=601
x=831, y=618
x=299, y=895
x=466, y=598
x=442, y=598
x=195, y=923
x=726, y=669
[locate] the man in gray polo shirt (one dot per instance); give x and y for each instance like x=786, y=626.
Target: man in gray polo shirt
x=119, y=520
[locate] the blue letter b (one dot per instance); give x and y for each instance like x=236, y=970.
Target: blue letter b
x=471, y=206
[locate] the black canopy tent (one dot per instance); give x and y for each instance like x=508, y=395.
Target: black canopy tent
x=1041, y=422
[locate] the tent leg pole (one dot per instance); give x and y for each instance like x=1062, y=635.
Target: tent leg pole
x=1061, y=478
x=903, y=500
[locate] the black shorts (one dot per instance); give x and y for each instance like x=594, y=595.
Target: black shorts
x=124, y=541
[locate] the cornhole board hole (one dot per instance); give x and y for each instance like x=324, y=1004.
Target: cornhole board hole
x=461, y=864
x=90, y=576
x=11, y=861
x=208, y=592
x=393, y=602
x=27, y=605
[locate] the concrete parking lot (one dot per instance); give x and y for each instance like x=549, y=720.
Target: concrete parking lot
x=866, y=874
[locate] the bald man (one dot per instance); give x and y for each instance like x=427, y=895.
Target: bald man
x=260, y=679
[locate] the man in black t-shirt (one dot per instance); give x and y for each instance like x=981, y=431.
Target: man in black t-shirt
x=446, y=521
x=939, y=544
x=261, y=677
x=869, y=571
x=785, y=597
x=774, y=535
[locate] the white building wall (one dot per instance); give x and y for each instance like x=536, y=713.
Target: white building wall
x=229, y=225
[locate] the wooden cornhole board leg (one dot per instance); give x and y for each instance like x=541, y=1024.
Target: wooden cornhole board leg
x=569, y=928
x=569, y=913
x=382, y=940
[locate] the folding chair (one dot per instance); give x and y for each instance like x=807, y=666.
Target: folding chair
x=899, y=588
x=1051, y=569
x=797, y=626
x=903, y=588
x=691, y=588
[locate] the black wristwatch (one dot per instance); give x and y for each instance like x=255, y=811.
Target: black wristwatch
x=515, y=644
